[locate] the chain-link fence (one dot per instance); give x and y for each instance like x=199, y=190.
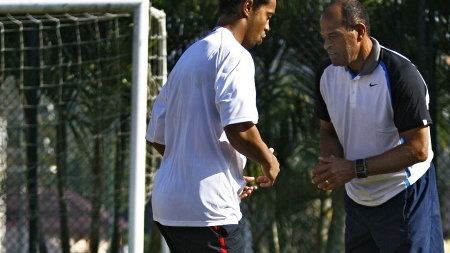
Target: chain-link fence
x=65, y=100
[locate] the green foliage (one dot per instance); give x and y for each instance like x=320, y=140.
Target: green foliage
x=187, y=21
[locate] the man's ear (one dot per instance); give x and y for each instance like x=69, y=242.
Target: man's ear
x=361, y=29
x=247, y=7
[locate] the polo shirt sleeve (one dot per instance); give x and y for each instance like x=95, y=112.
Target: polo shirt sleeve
x=235, y=96
x=155, y=128
x=321, y=107
x=410, y=99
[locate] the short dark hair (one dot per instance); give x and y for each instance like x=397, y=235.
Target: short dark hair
x=353, y=12
x=229, y=6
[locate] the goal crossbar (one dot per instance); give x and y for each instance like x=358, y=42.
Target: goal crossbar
x=140, y=10
x=8, y=6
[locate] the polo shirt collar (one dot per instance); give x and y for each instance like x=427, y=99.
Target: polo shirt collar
x=372, y=60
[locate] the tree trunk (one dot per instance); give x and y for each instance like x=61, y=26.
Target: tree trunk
x=118, y=179
x=321, y=223
x=276, y=239
x=31, y=80
x=3, y=145
x=61, y=173
x=96, y=199
x=335, y=243
x=41, y=238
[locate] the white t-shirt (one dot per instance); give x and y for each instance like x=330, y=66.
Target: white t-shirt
x=200, y=177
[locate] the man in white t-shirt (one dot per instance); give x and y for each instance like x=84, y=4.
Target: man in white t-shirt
x=203, y=123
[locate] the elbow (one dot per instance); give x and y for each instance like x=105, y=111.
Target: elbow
x=421, y=155
x=417, y=143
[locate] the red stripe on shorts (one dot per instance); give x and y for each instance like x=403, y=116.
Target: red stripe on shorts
x=223, y=248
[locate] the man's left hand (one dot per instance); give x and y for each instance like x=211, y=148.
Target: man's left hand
x=248, y=190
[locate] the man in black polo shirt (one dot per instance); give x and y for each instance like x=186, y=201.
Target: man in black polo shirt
x=375, y=138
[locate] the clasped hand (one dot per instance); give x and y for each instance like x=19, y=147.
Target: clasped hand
x=331, y=172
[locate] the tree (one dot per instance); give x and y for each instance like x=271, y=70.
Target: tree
x=31, y=82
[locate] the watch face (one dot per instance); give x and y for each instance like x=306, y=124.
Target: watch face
x=360, y=168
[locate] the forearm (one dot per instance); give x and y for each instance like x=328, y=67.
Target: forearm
x=332, y=172
x=159, y=147
x=413, y=150
x=329, y=144
x=393, y=160
x=245, y=138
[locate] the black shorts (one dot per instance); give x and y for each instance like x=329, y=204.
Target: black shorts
x=220, y=239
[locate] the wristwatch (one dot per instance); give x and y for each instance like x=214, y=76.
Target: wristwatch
x=360, y=168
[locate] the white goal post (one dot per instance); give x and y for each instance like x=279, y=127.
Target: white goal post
x=140, y=10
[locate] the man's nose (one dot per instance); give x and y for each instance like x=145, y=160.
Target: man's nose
x=326, y=44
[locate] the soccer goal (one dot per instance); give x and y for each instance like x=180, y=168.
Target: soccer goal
x=74, y=78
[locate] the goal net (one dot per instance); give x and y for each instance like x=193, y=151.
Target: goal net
x=72, y=123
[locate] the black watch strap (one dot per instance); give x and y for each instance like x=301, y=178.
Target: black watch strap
x=360, y=168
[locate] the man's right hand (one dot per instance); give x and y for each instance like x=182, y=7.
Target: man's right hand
x=245, y=138
x=270, y=172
